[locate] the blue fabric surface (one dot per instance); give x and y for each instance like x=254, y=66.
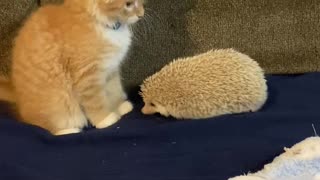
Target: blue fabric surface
x=154, y=148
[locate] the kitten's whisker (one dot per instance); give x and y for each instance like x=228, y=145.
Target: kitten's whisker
x=149, y=23
x=155, y=16
x=146, y=26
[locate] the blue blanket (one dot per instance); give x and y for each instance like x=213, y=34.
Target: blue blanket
x=155, y=148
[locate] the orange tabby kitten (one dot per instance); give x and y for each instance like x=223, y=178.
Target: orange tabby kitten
x=66, y=64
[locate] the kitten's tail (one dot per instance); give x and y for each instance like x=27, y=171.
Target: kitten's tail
x=6, y=90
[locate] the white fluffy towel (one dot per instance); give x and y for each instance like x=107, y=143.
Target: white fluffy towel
x=301, y=162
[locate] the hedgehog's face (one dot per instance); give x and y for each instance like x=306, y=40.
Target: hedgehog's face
x=152, y=108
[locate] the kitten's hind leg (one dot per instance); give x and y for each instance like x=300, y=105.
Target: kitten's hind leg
x=52, y=109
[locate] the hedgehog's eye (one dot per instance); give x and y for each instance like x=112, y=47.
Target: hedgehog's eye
x=151, y=104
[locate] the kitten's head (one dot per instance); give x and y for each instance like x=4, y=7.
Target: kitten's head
x=110, y=12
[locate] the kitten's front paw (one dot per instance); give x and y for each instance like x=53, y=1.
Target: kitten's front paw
x=67, y=131
x=125, y=108
x=111, y=119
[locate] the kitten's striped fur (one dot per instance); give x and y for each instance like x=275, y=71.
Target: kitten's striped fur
x=66, y=64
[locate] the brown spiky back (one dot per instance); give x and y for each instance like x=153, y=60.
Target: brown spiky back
x=217, y=79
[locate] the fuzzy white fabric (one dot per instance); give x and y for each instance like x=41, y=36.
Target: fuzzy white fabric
x=301, y=162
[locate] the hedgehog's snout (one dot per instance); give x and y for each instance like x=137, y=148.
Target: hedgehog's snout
x=148, y=109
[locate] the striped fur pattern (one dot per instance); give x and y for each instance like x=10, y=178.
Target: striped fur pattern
x=66, y=62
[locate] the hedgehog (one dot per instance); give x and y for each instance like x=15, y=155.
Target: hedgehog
x=214, y=83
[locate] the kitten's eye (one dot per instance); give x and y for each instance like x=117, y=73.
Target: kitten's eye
x=129, y=4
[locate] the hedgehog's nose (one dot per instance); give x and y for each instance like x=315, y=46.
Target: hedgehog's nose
x=147, y=110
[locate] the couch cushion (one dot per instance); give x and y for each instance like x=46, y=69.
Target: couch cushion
x=159, y=38
x=283, y=36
